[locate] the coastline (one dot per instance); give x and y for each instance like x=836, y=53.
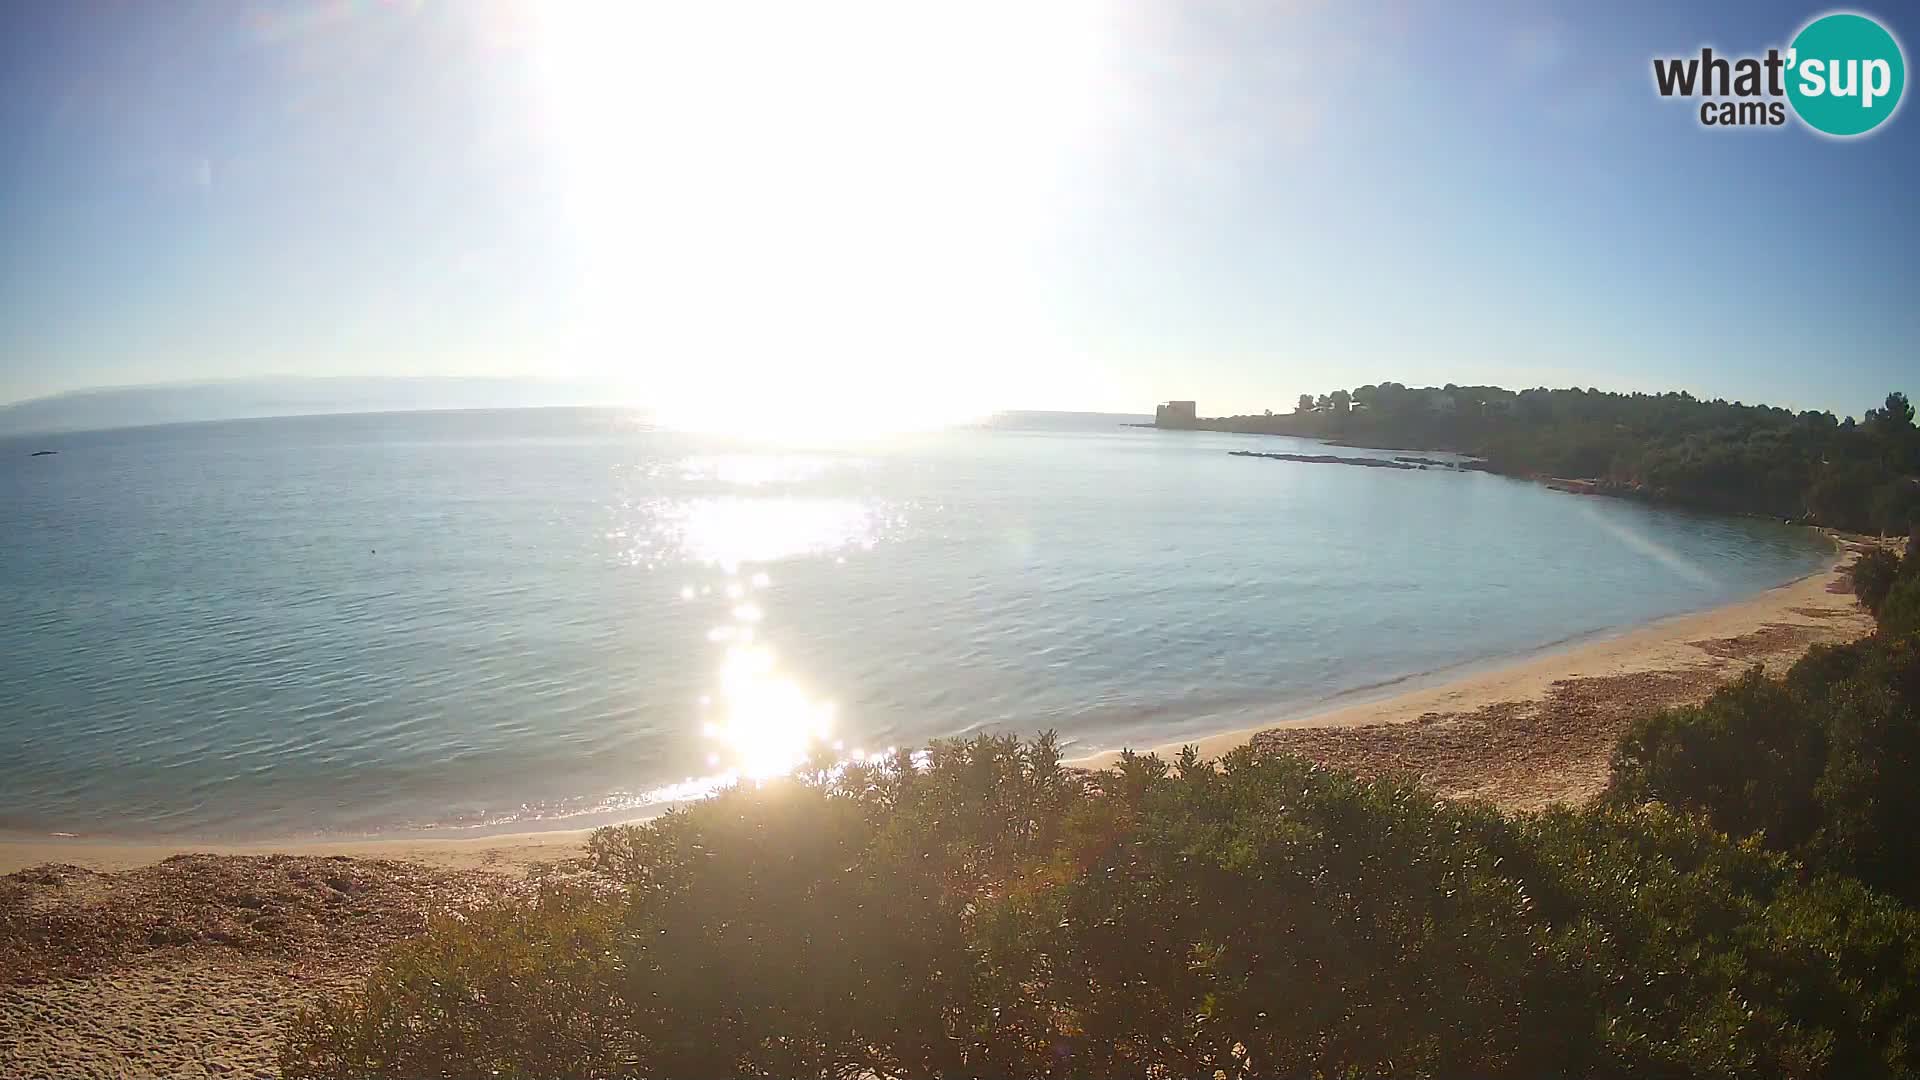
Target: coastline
x=1540, y=730
x=158, y=958
x=1683, y=650
x=1469, y=463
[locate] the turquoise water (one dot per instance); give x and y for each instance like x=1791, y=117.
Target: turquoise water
x=369, y=623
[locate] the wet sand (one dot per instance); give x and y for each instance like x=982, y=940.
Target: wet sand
x=138, y=959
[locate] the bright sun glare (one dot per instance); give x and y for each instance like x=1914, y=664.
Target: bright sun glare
x=764, y=722
x=768, y=724
x=814, y=216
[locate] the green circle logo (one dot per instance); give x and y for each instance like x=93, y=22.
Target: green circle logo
x=1845, y=74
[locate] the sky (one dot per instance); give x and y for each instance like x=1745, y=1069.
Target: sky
x=753, y=209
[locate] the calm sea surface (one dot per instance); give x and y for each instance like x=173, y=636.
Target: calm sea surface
x=369, y=623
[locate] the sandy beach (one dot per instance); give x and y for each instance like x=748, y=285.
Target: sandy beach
x=1477, y=735
x=508, y=854
x=125, y=959
x=1540, y=731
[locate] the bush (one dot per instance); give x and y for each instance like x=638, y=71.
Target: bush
x=986, y=912
x=1820, y=765
x=1748, y=757
x=1874, y=573
x=527, y=989
x=1867, y=791
x=1900, y=612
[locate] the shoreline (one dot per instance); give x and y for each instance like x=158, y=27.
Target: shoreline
x=158, y=958
x=1773, y=626
x=1540, y=729
x=1476, y=463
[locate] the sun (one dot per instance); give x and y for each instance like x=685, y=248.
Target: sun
x=814, y=214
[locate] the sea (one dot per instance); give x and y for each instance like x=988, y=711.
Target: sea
x=450, y=623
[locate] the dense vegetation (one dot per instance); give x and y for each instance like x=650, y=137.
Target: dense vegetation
x=1874, y=575
x=1820, y=764
x=1716, y=455
x=1744, y=903
x=991, y=914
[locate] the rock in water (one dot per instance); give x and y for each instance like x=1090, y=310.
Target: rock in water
x=1329, y=459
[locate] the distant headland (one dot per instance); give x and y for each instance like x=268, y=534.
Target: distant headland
x=1729, y=457
x=251, y=398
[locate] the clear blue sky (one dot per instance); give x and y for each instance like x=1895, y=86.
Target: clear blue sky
x=1235, y=202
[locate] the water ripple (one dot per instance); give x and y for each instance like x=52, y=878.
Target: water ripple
x=363, y=623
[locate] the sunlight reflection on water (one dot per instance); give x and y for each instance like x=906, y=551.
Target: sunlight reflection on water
x=759, y=470
x=205, y=612
x=732, y=531
x=762, y=719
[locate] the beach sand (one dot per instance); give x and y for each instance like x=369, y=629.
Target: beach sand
x=1542, y=730
x=510, y=854
x=135, y=959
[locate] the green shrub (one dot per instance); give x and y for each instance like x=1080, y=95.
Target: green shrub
x=1748, y=757
x=1728, y=952
x=790, y=929
x=1874, y=573
x=1820, y=764
x=1868, y=792
x=527, y=989
x=1900, y=613
x=988, y=913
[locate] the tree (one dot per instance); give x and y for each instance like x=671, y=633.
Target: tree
x=1898, y=413
x=1305, y=404
x=1873, y=576
x=1896, y=506
x=1714, y=455
x=1899, y=442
